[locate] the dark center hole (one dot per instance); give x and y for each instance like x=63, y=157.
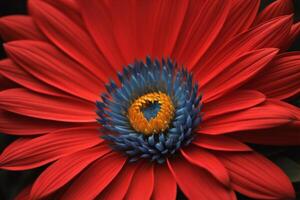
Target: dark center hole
x=150, y=110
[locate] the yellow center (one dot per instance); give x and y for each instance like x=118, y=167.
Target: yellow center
x=157, y=124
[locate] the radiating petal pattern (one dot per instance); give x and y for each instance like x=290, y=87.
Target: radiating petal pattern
x=118, y=188
x=267, y=115
x=275, y=9
x=15, y=124
x=96, y=177
x=270, y=34
x=257, y=177
x=30, y=153
x=148, y=99
x=286, y=135
x=143, y=191
x=239, y=19
x=15, y=73
x=19, y=27
x=164, y=184
x=64, y=170
x=193, y=41
x=234, y=101
x=51, y=66
x=220, y=143
x=66, y=109
x=207, y=161
x=189, y=176
x=70, y=37
x=281, y=79
x=237, y=73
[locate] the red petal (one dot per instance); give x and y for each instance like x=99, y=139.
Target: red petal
x=46, y=63
x=281, y=79
x=64, y=170
x=95, y=178
x=282, y=136
x=164, y=184
x=293, y=109
x=25, y=102
x=101, y=30
x=237, y=73
x=117, y=189
x=234, y=101
x=240, y=17
x=266, y=115
x=30, y=153
x=71, y=4
x=267, y=35
x=20, y=125
x=294, y=34
x=275, y=9
x=207, y=161
x=15, y=73
x=19, y=27
x=70, y=37
x=200, y=28
x=220, y=143
x=165, y=22
x=142, y=183
x=69, y=8
x=197, y=183
x=255, y=176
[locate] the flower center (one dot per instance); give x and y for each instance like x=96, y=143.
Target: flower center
x=151, y=113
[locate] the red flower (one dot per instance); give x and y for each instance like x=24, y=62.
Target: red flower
x=62, y=55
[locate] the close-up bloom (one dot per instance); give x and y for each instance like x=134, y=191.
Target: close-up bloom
x=141, y=99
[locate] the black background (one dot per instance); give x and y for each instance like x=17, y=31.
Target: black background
x=12, y=182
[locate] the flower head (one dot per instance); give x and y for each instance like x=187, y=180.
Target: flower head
x=134, y=98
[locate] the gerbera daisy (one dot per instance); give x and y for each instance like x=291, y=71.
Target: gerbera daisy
x=133, y=99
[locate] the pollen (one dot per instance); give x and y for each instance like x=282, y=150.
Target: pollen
x=160, y=112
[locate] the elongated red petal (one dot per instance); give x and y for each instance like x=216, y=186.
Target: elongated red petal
x=263, y=116
x=70, y=37
x=51, y=66
x=267, y=35
x=19, y=27
x=164, y=184
x=238, y=72
x=282, y=136
x=193, y=41
x=15, y=124
x=118, y=188
x=25, y=102
x=281, y=79
x=234, y=101
x=275, y=9
x=102, y=34
x=64, y=170
x=239, y=19
x=207, y=161
x=197, y=183
x=293, y=35
x=15, y=73
x=30, y=153
x=255, y=176
x=165, y=22
x=220, y=143
x=96, y=177
x=142, y=183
